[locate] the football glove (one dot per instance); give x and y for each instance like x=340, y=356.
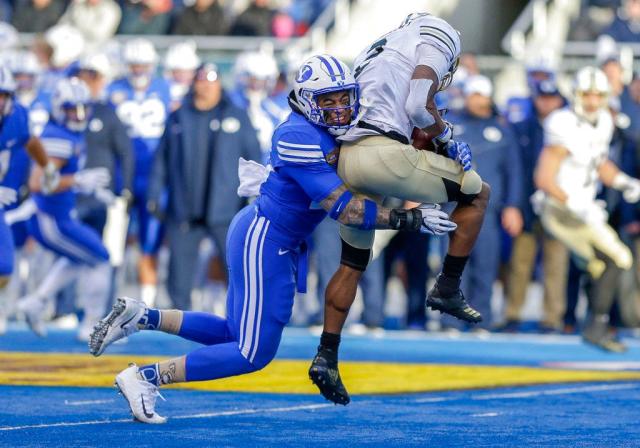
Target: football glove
x=7, y=196
x=91, y=179
x=460, y=152
x=629, y=186
x=435, y=221
x=50, y=178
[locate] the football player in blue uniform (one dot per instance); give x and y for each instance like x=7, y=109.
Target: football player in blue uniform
x=142, y=103
x=54, y=224
x=14, y=164
x=266, y=250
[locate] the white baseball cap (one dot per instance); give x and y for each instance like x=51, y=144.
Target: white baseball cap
x=478, y=84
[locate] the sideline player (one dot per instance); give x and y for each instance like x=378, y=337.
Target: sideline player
x=266, y=253
x=15, y=137
x=572, y=162
x=54, y=224
x=399, y=75
x=142, y=103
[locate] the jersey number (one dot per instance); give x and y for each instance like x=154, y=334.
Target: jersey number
x=374, y=50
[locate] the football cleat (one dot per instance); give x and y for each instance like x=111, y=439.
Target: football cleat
x=325, y=375
x=34, y=308
x=141, y=395
x=455, y=305
x=121, y=322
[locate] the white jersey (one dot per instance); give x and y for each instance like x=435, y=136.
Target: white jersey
x=384, y=71
x=588, y=147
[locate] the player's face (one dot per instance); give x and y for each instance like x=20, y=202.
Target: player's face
x=183, y=76
x=338, y=105
x=5, y=102
x=24, y=81
x=592, y=101
x=93, y=79
x=545, y=104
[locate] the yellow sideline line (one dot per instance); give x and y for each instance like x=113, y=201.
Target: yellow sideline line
x=290, y=376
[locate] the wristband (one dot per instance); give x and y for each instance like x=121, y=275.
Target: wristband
x=340, y=205
x=401, y=219
x=370, y=214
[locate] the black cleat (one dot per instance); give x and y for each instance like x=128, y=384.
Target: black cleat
x=455, y=305
x=325, y=374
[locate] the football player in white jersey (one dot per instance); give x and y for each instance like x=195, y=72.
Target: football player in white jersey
x=399, y=75
x=572, y=163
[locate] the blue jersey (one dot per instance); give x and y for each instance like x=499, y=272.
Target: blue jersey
x=61, y=143
x=303, y=157
x=14, y=162
x=144, y=114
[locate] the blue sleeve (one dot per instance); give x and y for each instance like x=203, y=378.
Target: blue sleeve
x=297, y=148
x=317, y=180
x=513, y=170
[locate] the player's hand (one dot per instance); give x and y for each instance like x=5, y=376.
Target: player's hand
x=435, y=221
x=512, y=221
x=442, y=141
x=7, y=196
x=461, y=153
x=50, y=178
x=91, y=179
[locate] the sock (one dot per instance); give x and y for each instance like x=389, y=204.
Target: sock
x=150, y=320
x=330, y=341
x=453, y=266
x=148, y=294
x=150, y=374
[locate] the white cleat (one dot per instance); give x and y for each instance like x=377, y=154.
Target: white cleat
x=34, y=309
x=141, y=395
x=121, y=322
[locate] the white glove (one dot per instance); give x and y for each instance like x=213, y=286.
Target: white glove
x=91, y=179
x=435, y=221
x=7, y=196
x=592, y=213
x=629, y=186
x=252, y=175
x=50, y=179
x=105, y=196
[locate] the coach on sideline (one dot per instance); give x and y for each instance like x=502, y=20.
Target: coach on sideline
x=197, y=163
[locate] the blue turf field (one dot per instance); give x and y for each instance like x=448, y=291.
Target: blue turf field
x=577, y=414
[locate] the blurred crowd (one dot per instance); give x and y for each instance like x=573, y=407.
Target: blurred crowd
x=99, y=20
x=171, y=135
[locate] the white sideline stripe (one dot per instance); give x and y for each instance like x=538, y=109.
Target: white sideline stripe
x=305, y=407
x=536, y=393
x=486, y=414
x=86, y=402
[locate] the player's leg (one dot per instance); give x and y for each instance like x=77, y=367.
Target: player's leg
x=7, y=251
x=520, y=270
x=556, y=266
x=263, y=291
x=382, y=166
x=184, y=244
x=77, y=245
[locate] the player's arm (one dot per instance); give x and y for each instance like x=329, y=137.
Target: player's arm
x=613, y=177
x=36, y=181
x=421, y=104
x=547, y=170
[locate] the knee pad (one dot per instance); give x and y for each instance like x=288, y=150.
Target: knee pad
x=354, y=257
x=471, y=183
x=361, y=239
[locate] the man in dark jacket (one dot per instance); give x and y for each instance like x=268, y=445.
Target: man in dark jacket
x=197, y=163
x=256, y=20
x=204, y=17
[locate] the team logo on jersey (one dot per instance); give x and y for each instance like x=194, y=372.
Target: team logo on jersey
x=214, y=125
x=333, y=156
x=230, y=125
x=305, y=73
x=96, y=125
x=492, y=134
x=623, y=121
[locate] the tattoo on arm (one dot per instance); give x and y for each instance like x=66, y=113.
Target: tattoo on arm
x=353, y=213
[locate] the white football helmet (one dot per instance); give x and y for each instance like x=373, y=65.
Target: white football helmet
x=182, y=56
x=590, y=80
x=67, y=43
x=69, y=104
x=141, y=58
x=8, y=88
x=325, y=74
x=256, y=73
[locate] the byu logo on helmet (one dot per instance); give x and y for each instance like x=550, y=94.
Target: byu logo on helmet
x=305, y=73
